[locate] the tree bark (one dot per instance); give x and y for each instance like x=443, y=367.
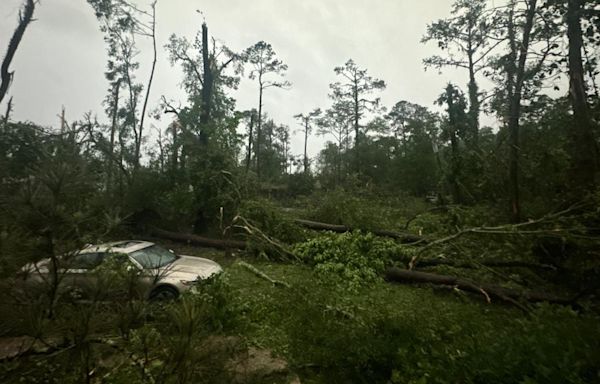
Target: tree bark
x=455, y=158
x=485, y=263
x=25, y=18
x=306, y=121
x=197, y=240
x=488, y=290
x=249, y=157
x=113, y=129
x=356, y=125
x=584, y=149
x=474, y=105
x=259, y=127
x=515, y=110
x=6, y=117
x=207, y=88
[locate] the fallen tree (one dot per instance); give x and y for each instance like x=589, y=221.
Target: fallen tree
x=197, y=240
x=485, y=263
x=489, y=291
x=318, y=226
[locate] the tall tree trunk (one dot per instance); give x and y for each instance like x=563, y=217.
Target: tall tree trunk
x=584, y=149
x=305, y=144
x=455, y=157
x=6, y=117
x=356, y=126
x=249, y=157
x=474, y=105
x=113, y=129
x=515, y=109
x=259, y=128
x=207, y=88
x=25, y=18
x=138, y=144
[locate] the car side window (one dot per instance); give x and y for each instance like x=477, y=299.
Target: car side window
x=86, y=261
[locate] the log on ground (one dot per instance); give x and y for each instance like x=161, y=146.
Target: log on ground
x=318, y=226
x=197, y=240
x=488, y=290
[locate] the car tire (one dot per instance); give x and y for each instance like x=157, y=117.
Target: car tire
x=164, y=293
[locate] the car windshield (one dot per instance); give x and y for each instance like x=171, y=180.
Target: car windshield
x=153, y=257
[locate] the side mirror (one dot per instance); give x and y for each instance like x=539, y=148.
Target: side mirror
x=133, y=269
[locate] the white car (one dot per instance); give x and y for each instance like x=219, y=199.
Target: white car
x=165, y=275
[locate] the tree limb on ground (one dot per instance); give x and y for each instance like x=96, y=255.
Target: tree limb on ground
x=318, y=226
x=488, y=290
x=269, y=242
x=197, y=240
x=262, y=275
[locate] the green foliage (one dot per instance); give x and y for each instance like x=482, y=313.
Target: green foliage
x=216, y=295
x=353, y=259
x=543, y=348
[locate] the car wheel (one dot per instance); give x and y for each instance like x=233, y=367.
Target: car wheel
x=164, y=293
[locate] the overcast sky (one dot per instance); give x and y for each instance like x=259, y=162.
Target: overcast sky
x=62, y=58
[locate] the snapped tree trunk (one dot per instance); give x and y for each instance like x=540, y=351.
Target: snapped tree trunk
x=25, y=18
x=207, y=88
x=584, y=149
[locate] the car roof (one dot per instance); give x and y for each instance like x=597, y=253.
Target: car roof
x=124, y=246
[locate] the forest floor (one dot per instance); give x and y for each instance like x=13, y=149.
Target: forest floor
x=269, y=309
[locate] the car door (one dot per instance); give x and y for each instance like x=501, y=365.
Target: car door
x=79, y=280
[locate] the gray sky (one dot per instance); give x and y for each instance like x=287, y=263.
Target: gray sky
x=62, y=58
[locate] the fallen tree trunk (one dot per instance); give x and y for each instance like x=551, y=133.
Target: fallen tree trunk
x=318, y=226
x=486, y=263
x=197, y=240
x=488, y=290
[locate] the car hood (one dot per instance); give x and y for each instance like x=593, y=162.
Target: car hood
x=190, y=268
